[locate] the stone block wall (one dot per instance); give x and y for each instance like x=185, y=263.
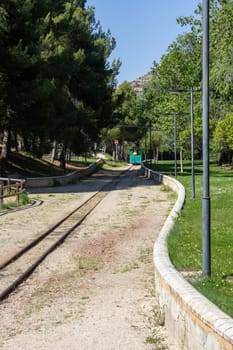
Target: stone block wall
x=64, y=179
x=192, y=321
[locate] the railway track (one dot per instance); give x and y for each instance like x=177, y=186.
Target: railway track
x=21, y=265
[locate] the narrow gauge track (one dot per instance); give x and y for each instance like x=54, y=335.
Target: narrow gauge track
x=21, y=265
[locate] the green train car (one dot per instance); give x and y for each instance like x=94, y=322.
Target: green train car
x=135, y=156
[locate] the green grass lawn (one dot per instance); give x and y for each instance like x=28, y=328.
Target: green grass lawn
x=185, y=240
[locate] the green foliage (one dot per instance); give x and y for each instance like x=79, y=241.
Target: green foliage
x=54, y=73
x=224, y=132
x=180, y=70
x=168, y=92
x=126, y=124
x=221, y=49
x=223, y=138
x=24, y=198
x=124, y=101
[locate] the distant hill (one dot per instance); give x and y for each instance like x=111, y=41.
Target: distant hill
x=138, y=83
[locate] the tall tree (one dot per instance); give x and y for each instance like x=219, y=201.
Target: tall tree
x=221, y=77
x=54, y=72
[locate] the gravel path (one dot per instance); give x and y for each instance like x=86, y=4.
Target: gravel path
x=96, y=292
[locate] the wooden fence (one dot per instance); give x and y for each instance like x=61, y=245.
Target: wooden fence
x=10, y=188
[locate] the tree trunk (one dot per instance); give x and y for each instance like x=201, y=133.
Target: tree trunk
x=69, y=156
x=63, y=158
x=54, y=151
x=181, y=161
x=16, y=145
x=4, y=154
x=4, y=144
x=157, y=154
x=123, y=149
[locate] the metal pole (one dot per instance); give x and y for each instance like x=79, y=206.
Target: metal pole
x=175, y=160
x=116, y=152
x=150, y=145
x=206, y=258
x=145, y=158
x=192, y=143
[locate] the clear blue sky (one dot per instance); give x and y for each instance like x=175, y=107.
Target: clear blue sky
x=143, y=30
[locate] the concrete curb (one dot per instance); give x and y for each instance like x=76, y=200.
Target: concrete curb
x=192, y=321
x=64, y=179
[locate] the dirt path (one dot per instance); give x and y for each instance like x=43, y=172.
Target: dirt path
x=96, y=292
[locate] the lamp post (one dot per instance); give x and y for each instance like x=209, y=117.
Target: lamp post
x=174, y=129
x=192, y=132
x=175, y=155
x=192, y=142
x=206, y=253
x=150, y=144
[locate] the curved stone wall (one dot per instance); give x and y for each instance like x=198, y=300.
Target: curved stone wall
x=64, y=179
x=192, y=321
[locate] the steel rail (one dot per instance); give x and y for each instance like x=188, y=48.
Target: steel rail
x=72, y=220
x=42, y=236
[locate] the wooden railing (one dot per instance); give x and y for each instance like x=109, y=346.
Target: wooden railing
x=10, y=188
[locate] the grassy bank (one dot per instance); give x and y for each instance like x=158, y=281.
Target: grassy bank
x=185, y=240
